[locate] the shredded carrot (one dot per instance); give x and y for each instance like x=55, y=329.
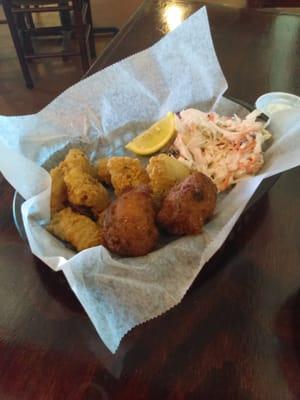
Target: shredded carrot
x=224, y=148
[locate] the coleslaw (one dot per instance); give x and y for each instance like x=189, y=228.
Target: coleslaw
x=224, y=148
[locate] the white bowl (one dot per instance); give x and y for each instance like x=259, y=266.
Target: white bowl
x=272, y=102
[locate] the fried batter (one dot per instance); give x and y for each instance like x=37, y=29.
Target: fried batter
x=188, y=205
x=59, y=197
x=165, y=172
x=84, y=190
x=128, y=226
x=102, y=171
x=100, y=219
x=88, y=212
x=76, y=229
x=126, y=173
x=76, y=158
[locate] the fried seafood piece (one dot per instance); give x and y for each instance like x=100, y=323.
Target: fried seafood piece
x=188, y=205
x=84, y=190
x=76, y=158
x=100, y=219
x=126, y=173
x=88, y=212
x=76, y=229
x=129, y=224
x=59, y=196
x=102, y=170
x=165, y=172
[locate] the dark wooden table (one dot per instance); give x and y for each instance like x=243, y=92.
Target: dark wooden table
x=236, y=334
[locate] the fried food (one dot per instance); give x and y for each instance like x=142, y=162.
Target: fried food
x=102, y=171
x=188, y=205
x=88, y=212
x=59, y=196
x=165, y=172
x=100, y=219
x=129, y=224
x=126, y=173
x=76, y=229
x=84, y=190
x=76, y=158
x=81, y=213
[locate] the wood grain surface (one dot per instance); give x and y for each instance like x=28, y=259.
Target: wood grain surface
x=236, y=334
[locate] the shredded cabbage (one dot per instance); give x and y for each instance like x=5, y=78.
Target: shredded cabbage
x=224, y=148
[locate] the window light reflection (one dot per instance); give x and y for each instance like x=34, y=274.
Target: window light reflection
x=173, y=16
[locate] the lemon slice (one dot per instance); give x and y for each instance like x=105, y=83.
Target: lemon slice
x=154, y=138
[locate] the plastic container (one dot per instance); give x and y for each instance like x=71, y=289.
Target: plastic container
x=272, y=102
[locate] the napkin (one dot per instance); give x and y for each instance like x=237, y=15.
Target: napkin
x=102, y=113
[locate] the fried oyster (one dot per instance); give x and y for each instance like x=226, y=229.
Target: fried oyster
x=59, y=195
x=165, y=172
x=76, y=229
x=84, y=190
x=126, y=173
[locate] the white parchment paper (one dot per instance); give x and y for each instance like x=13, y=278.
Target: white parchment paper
x=101, y=114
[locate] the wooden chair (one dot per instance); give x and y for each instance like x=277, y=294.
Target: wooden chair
x=273, y=3
x=2, y=21
x=19, y=18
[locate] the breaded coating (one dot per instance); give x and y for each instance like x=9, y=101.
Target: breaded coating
x=76, y=158
x=165, y=172
x=129, y=226
x=84, y=190
x=59, y=196
x=100, y=219
x=188, y=205
x=126, y=173
x=76, y=229
x=88, y=212
x=102, y=170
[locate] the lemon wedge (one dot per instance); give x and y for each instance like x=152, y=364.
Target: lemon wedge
x=154, y=138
